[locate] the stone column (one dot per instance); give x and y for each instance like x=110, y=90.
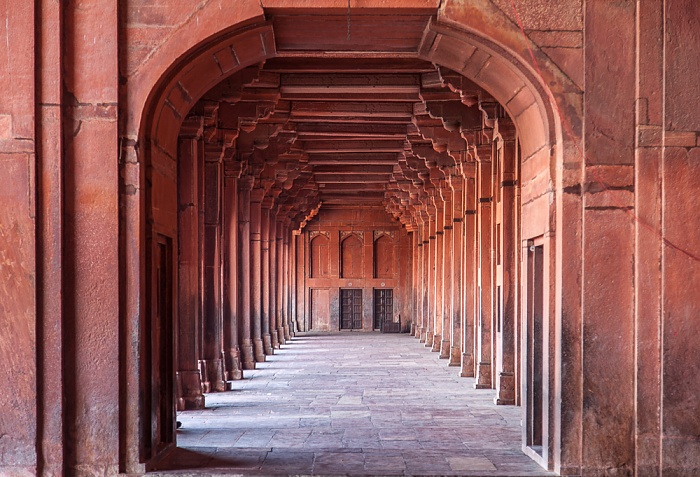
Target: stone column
x=457, y=183
x=430, y=289
x=448, y=262
x=244, y=328
x=508, y=271
x=211, y=364
x=285, y=284
x=417, y=248
x=484, y=329
x=280, y=280
x=425, y=280
x=469, y=272
x=439, y=288
x=255, y=271
x=265, y=258
x=232, y=350
x=274, y=314
x=188, y=376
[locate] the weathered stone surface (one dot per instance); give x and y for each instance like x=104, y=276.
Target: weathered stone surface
x=117, y=255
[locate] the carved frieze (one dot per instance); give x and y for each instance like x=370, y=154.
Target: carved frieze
x=346, y=233
x=315, y=233
x=388, y=233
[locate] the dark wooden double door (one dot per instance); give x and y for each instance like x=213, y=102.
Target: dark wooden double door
x=383, y=308
x=351, y=308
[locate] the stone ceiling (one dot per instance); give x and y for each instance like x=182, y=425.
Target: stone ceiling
x=345, y=121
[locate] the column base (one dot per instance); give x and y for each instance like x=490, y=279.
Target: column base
x=287, y=336
x=455, y=356
x=233, y=364
x=437, y=339
x=267, y=344
x=505, y=389
x=280, y=336
x=412, y=329
x=444, y=349
x=421, y=335
x=258, y=350
x=248, y=356
x=189, y=385
x=204, y=376
x=467, y=366
x=214, y=377
x=428, y=339
x=275, y=339
x=483, y=376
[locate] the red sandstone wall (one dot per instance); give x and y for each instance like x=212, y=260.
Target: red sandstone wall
x=366, y=224
x=59, y=255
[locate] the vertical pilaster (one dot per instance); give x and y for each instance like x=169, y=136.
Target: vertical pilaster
x=608, y=240
x=648, y=251
x=47, y=22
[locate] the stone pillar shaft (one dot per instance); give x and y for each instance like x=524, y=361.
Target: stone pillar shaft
x=212, y=366
x=232, y=350
x=188, y=376
x=246, y=341
x=255, y=271
x=484, y=326
x=265, y=259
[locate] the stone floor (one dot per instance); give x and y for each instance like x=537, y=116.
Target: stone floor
x=351, y=404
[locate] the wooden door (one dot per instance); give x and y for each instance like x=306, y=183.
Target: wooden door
x=159, y=426
x=350, y=309
x=383, y=307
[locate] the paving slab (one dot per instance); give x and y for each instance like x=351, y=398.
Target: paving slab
x=351, y=404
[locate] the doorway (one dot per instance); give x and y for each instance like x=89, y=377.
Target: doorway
x=350, y=309
x=383, y=307
x=159, y=429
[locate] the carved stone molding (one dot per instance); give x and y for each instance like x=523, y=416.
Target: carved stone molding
x=314, y=233
x=389, y=233
x=345, y=233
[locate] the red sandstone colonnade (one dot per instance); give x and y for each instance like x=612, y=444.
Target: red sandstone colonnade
x=456, y=175
x=518, y=175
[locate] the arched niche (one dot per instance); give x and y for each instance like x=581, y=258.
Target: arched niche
x=319, y=257
x=384, y=253
x=351, y=257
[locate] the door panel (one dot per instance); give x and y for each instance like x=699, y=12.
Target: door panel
x=383, y=307
x=350, y=309
x=320, y=305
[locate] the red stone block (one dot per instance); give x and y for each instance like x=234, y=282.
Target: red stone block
x=503, y=83
x=543, y=14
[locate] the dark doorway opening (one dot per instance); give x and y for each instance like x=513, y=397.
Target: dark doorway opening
x=350, y=309
x=383, y=307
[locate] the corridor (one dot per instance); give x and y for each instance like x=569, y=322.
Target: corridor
x=351, y=404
